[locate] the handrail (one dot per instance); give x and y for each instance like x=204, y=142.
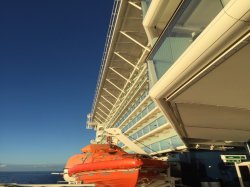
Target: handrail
x=106, y=48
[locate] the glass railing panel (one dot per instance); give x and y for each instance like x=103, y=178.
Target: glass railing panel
x=125, y=129
x=146, y=130
x=138, y=101
x=144, y=112
x=147, y=149
x=155, y=146
x=133, y=121
x=133, y=107
x=134, y=136
x=148, y=2
x=120, y=144
x=129, y=111
x=168, y=53
x=145, y=5
x=139, y=133
x=168, y=143
x=224, y=2
x=191, y=19
x=165, y=144
x=153, y=125
x=162, y=120
x=138, y=117
x=176, y=141
x=151, y=106
x=131, y=138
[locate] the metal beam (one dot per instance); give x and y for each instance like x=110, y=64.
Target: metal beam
x=100, y=116
x=119, y=74
x=135, y=5
x=141, y=57
x=124, y=43
x=124, y=139
x=126, y=60
x=115, y=85
x=109, y=93
x=134, y=40
x=104, y=106
x=97, y=119
x=144, y=53
x=107, y=100
x=102, y=111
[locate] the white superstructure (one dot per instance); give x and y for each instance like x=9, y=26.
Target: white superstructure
x=175, y=78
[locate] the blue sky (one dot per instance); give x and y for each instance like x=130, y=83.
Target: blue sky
x=50, y=53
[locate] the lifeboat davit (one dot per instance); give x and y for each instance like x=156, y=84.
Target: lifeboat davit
x=108, y=165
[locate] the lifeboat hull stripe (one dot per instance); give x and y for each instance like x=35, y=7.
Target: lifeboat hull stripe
x=127, y=163
x=107, y=179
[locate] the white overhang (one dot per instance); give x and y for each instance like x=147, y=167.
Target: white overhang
x=206, y=93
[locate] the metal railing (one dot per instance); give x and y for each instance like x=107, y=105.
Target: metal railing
x=110, y=33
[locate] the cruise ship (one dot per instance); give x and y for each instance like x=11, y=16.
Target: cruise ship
x=175, y=80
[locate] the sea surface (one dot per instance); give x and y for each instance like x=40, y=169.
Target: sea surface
x=31, y=177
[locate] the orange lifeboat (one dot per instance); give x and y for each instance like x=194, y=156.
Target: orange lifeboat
x=108, y=165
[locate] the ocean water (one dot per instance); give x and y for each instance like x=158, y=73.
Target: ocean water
x=31, y=177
